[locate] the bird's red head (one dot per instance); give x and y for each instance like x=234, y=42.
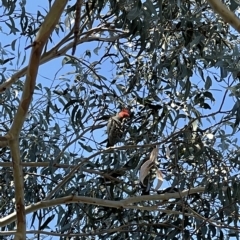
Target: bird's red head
x=125, y=113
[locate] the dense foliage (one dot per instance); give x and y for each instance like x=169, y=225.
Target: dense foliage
x=175, y=65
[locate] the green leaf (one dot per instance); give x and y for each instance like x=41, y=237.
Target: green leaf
x=229, y=195
x=209, y=95
x=96, y=50
x=201, y=73
x=151, y=8
x=133, y=13
x=235, y=107
x=70, y=103
x=75, y=108
x=223, y=72
x=233, y=5
x=206, y=106
x=13, y=44
x=86, y=147
x=12, y=27
x=208, y=83
x=187, y=89
x=10, y=5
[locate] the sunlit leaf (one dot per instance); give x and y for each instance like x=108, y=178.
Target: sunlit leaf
x=167, y=152
x=210, y=136
x=159, y=176
x=154, y=155
x=144, y=170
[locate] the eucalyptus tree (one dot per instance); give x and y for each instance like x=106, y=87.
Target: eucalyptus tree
x=66, y=67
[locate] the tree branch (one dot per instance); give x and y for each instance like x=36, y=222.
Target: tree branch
x=55, y=53
x=46, y=29
x=126, y=204
x=225, y=13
